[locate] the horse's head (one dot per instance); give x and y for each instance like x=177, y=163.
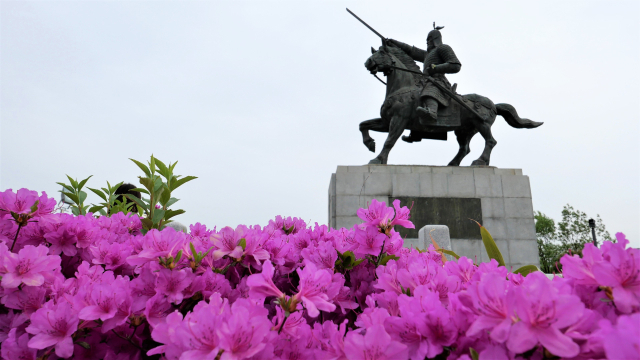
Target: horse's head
x=380, y=60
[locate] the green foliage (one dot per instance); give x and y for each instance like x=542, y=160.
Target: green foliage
x=73, y=191
x=346, y=261
x=567, y=237
x=111, y=204
x=158, y=183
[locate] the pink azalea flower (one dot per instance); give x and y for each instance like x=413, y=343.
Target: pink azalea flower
x=29, y=266
x=227, y=242
x=312, y=291
x=370, y=241
x=164, y=333
x=581, y=268
x=488, y=300
x=291, y=325
x=323, y=255
x=621, y=272
x=401, y=216
x=261, y=285
x=157, y=244
x=171, y=283
x=623, y=340
x=198, y=332
x=376, y=344
x=63, y=240
x=19, y=202
x=109, y=303
x=242, y=334
x=377, y=214
x=28, y=299
x=53, y=325
x=156, y=310
x=542, y=311
x=16, y=347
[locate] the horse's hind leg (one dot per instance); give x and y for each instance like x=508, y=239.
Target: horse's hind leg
x=464, y=138
x=489, y=143
x=375, y=125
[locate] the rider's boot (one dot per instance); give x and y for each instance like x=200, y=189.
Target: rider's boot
x=429, y=112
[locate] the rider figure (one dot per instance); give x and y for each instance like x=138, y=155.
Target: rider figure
x=438, y=59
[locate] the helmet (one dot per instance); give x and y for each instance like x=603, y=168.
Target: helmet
x=435, y=35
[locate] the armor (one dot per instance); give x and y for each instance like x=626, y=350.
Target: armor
x=445, y=61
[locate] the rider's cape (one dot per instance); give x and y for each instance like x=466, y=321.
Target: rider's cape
x=441, y=54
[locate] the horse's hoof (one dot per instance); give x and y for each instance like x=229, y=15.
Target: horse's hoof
x=478, y=163
x=408, y=139
x=371, y=145
x=375, y=161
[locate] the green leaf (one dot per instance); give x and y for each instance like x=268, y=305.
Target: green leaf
x=157, y=184
x=162, y=168
x=474, y=354
x=172, y=213
x=357, y=262
x=99, y=193
x=242, y=243
x=165, y=197
x=178, y=256
x=172, y=166
x=83, y=182
x=144, y=191
x=490, y=245
x=82, y=197
x=139, y=202
x=386, y=258
x=84, y=344
x=102, y=212
x=152, y=164
x=171, y=202
x=147, y=223
x=75, y=211
x=67, y=187
x=180, y=182
x=143, y=167
x=95, y=208
x=71, y=196
x=34, y=207
x=73, y=182
x=158, y=215
x=193, y=250
x=147, y=183
x=526, y=270
x=449, y=252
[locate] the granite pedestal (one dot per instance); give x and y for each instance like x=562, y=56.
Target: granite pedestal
x=500, y=199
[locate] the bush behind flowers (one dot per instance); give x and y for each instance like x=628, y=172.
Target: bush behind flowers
x=98, y=288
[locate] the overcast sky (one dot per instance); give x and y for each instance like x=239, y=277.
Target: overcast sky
x=262, y=99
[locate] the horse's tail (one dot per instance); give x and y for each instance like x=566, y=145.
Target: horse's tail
x=510, y=114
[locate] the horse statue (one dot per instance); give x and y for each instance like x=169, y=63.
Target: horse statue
x=398, y=111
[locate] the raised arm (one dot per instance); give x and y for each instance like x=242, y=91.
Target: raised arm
x=415, y=53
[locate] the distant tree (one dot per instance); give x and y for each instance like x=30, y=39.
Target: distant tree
x=567, y=237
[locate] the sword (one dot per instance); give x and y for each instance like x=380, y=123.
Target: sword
x=453, y=95
x=384, y=40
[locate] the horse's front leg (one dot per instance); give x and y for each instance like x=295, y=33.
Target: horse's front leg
x=375, y=125
x=396, y=128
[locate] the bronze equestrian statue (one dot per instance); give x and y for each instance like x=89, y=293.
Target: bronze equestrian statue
x=419, y=101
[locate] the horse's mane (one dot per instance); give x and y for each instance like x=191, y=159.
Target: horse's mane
x=406, y=60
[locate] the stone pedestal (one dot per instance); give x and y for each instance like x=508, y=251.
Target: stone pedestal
x=500, y=199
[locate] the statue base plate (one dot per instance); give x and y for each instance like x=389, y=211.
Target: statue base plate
x=500, y=199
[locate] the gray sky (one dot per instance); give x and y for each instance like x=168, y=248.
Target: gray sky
x=262, y=100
